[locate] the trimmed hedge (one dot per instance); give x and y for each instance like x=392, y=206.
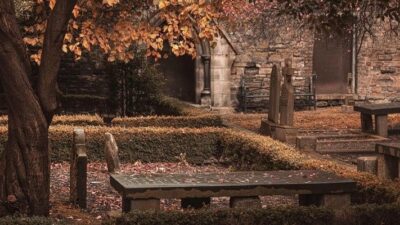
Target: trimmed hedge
x=270, y=216
x=145, y=144
x=25, y=221
x=170, y=121
x=387, y=214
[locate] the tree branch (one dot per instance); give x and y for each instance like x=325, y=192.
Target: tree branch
x=52, y=51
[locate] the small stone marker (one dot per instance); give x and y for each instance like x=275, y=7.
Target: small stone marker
x=78, y=169
x=367, y=164
x=111, y=153
x=275, y=90
x=306, y=143
x=286, y=104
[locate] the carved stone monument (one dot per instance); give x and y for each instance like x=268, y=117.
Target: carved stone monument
x=279, y=124
x=78, y=169
x=111, y=153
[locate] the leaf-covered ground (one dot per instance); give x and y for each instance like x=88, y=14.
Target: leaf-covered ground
x=322, y=119
x=104, y=202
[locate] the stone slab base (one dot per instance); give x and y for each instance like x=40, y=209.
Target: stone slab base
x=140, y=204
x=306, y=143
x=367, y=164
x=278, y=132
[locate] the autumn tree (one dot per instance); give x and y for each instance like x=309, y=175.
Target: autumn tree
x=108, y=26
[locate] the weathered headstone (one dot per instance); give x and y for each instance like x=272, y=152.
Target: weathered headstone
x=78, y=169
x=286, y=104
x=275, y=90
x=111, y=153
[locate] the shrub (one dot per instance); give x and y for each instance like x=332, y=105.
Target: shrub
x=25, y=221
x=270, y=216
x=170, y=121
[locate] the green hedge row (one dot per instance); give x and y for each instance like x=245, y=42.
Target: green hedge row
x=387, y=214
x=145, y=144
x=170, y=121
x=26, y=221
x=270, y=216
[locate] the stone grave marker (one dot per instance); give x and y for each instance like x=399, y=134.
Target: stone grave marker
x=78, y=169
x=275, y=90
x=286, y=104
x=111, y=153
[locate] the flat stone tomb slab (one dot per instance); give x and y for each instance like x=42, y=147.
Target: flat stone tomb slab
x=237, y=184
x=380, y=111
x=346, y=143
x=388, y=160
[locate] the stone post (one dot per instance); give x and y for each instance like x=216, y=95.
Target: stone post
x=78, y=169
x=286, y=108
x=274, y=95
x=206, y=93
x=111, y=153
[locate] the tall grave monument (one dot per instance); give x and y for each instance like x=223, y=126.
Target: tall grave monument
x=280, y=122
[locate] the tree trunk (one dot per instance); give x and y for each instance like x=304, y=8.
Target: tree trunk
x=24, y=165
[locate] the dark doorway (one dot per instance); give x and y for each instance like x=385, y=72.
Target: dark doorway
x=180, y=80
x=332, y=62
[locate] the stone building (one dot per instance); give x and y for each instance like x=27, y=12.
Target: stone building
x=215, y=76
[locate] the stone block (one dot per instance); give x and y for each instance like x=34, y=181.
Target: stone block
x=333, y=201
x=245, y=202
x=367, y=164
x=388, y=167
x=140, y=204
x=306, y=143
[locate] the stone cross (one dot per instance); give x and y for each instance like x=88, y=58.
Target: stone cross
x=111, y=153
x=286, y=106
x=78, y=169
x=274, y=94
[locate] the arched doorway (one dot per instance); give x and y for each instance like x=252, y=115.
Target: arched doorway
x=180, y=78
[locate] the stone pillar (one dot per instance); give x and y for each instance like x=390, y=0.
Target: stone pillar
x=388, y=167
x=78, y=169
x=381, y=125
x=111, y=153
x=366, y=123
x=206, y=93
x=367, y=164
x=222, y=58
x=129, y=204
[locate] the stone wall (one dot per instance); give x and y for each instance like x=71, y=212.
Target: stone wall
x=379, y=68
x=256, y=56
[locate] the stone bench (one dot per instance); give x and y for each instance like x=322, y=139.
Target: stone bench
x=381, y=112
x=143, y=192
x=388, y=160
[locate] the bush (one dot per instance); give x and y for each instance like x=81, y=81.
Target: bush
x=25, y=221
x=169, y=121
x=270, y=216
x=145, y=144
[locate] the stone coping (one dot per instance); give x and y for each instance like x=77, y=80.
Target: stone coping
x=378, y=109
x=255, y=183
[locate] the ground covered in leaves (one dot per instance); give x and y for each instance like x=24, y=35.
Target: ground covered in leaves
x=104, y=202
x=327, y=119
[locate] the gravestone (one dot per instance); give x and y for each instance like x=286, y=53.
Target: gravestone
x=274, y=93
x=78, y=169
x=279, y=124
x=111, y=153
x=286, y=104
